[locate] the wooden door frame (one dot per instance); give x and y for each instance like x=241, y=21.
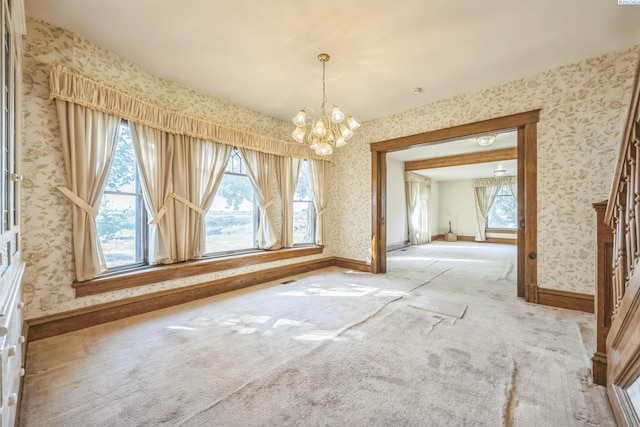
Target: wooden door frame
x=526, y=126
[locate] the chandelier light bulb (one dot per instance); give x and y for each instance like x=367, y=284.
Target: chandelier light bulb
x=300, y=119
x=353, y=124
x=324, y=149
x=325, y=131
x=319, y=129
x=336, y=115
x=298, y=134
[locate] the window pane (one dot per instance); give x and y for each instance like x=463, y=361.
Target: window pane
x=303, y=220
x=230, y=222
x=303, y=210
x=121, y=222
x=118, y=228
x=504, y=212
x=122, y=176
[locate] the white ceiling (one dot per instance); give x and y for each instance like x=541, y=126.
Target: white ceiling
x=262, y=54
x=461, y=146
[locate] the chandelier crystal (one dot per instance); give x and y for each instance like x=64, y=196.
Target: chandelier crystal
x=327, y=131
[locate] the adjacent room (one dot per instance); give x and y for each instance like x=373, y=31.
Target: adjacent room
x=337, y=213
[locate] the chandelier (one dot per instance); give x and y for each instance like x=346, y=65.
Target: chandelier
x=324, y=132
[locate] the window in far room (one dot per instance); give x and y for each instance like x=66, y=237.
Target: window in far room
x=504, y=211
x=303, y=210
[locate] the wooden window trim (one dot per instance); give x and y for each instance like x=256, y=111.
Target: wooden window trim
x=160, y=273
x=502, y=230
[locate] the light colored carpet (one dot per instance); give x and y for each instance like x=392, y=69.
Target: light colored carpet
x=441, y=340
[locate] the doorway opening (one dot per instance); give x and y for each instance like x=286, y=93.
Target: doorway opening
x=525, y=124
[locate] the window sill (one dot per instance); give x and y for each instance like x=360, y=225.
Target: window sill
x=161, y=273
x=502, y=230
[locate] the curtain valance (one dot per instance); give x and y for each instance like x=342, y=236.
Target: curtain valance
x=414, y=177
x=69, y=85
x=502, y=180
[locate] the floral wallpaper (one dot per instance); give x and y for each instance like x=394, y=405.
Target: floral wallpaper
x=583, y=111
x=46, y=215
x=584, y=107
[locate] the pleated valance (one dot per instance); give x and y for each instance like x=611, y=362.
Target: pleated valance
x=414, y=177
x=502, y=180
x=71, y=86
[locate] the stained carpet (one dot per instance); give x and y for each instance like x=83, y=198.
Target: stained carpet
x=440, y=340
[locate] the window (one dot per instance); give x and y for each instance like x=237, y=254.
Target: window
x=122, y=222
x=232, y=220
x=504, y=211
x=303, y=210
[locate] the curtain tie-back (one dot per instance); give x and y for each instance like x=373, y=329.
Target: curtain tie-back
x=173, y=196
x=78, y=201
x=268, y=204
x=322, y=212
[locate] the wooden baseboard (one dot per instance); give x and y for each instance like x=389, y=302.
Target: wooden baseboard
x=73, y=320
x=396, y=246
x=352, y=264
x=564, y=299
x=599, y=369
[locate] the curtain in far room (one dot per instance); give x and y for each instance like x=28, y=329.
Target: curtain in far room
x=486, y=190
x=319, y=175
x=418, y=193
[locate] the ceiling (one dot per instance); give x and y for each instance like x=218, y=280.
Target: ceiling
x=461, y=146
x=263, y=54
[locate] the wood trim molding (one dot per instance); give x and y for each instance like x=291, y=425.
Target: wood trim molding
x=48, y=326
x=564, y=299
x=352, y=264
x=500, y=123
x=462, y=159
x=526, y=126
x=161, y=273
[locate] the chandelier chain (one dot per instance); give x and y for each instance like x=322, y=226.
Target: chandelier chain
x=324, y=89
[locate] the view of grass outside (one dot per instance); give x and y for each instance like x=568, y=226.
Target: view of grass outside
x=504, y=211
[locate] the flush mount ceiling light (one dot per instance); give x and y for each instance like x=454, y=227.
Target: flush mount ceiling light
x=499, y=172
x=486, y=140
x=325, y=132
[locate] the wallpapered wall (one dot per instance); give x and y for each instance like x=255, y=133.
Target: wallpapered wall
x=584, y=106
x=583, y=110
x=46, y=213
x=396, y=203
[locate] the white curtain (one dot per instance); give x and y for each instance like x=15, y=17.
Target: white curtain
x=418, y=193
x=486, y=190
x=288, y=171
x=319, y=174
x=198, y=168
x=261, y=169
x=154, y=152
x=88, y=141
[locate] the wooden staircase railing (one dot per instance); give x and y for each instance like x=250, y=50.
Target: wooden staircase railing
x=623, y=290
